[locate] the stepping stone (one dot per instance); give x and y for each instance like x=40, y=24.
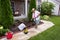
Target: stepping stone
x=32, y=32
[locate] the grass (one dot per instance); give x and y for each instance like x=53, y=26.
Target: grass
x=51, y=34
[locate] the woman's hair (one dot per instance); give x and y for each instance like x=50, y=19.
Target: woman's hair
x=33, y=9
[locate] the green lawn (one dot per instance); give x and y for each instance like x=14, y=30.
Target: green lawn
x=51, y=34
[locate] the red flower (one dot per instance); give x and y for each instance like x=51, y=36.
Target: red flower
x=9, y=35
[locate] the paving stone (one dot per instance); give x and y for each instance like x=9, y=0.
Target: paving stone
x=32, y=32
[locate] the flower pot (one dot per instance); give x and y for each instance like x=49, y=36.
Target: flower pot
x=25, y=31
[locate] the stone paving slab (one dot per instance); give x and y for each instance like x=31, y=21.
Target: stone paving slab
x=32, y=31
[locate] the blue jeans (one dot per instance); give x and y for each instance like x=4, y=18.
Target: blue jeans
x=37, y=22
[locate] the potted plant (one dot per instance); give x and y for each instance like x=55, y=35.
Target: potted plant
x=25, y=30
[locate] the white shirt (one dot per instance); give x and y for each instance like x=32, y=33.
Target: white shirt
x=34, y=15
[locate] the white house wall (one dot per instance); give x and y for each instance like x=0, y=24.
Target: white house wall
x=23, y=16
x=56, y=8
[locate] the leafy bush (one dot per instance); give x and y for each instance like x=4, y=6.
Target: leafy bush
x=41, y=17
x=45, y=17
x=46, y=8
x=32, y=5
x=6, y=17
x=3, y=31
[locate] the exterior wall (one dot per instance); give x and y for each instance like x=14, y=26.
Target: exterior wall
x=59, y=10
x=38, y=2
x=56, y=8
x=18, y=6
x=21, y=6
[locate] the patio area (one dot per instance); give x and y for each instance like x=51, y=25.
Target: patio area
x=32, y=32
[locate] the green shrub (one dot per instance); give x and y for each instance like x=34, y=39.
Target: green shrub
x=32, y=5
x=45, y=17
x=46, y=8
x=3, y=31
x=6, y=17
x=41, y=17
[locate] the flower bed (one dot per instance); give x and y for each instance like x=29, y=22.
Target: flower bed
x=14, y=28
x=29, y=25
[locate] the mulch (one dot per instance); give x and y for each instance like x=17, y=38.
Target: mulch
x=14, y=27
x=29, y=24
